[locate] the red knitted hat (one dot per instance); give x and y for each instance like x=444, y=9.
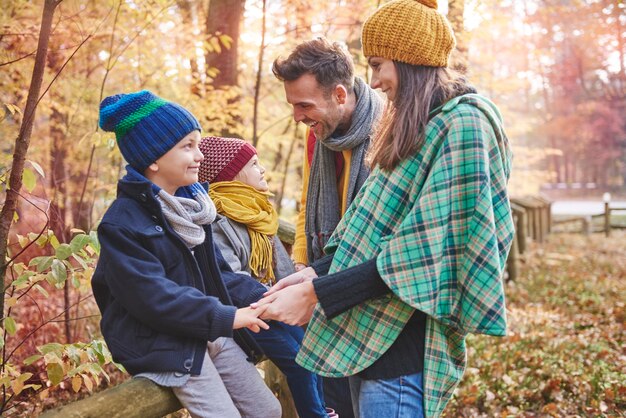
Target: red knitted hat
x=223, y=158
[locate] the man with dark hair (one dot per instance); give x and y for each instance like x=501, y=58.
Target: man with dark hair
x=341, y=111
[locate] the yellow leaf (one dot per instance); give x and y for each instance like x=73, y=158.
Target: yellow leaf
x=17, y=386
x=88, y=382
x=11, y=302
x=24, y=241
x=9, y=325
x=76, y=383
x=44, y=394
x=29, y=180
x=55, y=373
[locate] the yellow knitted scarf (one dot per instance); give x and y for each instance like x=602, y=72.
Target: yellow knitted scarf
x=247, y=205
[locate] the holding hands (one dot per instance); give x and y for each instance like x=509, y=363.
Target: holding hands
x=249, y=318
x=291, y=300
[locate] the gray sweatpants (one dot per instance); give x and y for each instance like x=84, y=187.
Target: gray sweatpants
x=228, y=386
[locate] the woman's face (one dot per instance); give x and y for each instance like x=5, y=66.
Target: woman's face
x=384, y=76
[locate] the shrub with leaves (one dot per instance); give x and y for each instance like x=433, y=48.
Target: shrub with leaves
x=28, y=370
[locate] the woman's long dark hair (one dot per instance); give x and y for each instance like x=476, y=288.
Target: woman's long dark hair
x=401, y=130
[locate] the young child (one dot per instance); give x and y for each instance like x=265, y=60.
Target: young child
x=162, y=288
x=245, y=232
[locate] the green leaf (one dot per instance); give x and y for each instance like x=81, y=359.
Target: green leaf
x=95, y=244
x=29, y=180
x=23, y=280
x=80, y=260
x=1, y=339
x=30, y=360
x=51, y=348
x=42, y=262
x=41, y=290
x=54, y=240
x=63, y=251
x=79, y=242
x=55, y=373
x=10, y=326
x=75, y=282
x=41, y=240
x=58, y=272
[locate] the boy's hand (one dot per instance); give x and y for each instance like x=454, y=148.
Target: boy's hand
x=249, y=318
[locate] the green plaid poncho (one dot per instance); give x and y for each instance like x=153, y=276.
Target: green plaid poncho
x=440, y=227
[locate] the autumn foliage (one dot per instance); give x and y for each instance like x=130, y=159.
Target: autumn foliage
x=556, y=69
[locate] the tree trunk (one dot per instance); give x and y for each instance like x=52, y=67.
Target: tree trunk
x=283, y=184
x=22, y=141
x=189, y=15
x=456, y=9
x=224, y=18
x=59, y=196
x=257, y=84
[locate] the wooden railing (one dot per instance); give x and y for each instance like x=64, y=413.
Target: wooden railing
x=597, y=222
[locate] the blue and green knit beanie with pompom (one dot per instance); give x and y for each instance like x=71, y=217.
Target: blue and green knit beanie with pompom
x=145, y=125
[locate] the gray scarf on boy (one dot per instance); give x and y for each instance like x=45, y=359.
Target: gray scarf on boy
x=187, y=216
x=323, y=209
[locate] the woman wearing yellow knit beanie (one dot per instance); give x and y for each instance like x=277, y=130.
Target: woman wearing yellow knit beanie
x=419, y=257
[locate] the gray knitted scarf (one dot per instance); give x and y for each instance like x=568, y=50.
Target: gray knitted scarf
x=186, y=216
x=323, y=210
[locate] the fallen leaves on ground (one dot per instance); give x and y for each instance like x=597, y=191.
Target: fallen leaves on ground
x=565, y=354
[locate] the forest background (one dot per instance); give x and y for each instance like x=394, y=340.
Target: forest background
x=555, y=68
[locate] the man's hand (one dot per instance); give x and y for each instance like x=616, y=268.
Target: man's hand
x=299, y=266
x=292, y=305
x=249, y=318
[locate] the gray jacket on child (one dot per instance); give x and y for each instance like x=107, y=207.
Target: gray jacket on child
x=233, y=240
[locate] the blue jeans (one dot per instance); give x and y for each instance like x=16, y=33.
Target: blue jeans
x=280, y=344
x=390, y=398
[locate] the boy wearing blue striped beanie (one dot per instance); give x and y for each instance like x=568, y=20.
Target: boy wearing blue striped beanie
x=165, y=292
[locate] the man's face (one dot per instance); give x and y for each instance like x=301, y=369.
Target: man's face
x=311, y=105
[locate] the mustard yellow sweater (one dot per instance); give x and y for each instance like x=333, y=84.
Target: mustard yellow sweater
x=299, y=253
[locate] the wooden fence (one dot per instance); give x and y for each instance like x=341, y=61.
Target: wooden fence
x=532, y=216
x=599, y=222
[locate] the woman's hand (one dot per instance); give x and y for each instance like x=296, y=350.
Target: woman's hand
x=249, y=318
x=292, y=305
x=305, y=275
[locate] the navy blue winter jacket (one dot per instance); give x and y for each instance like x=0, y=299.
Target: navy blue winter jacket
x=160, y=302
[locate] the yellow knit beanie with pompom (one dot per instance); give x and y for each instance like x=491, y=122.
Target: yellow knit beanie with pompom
x=409, y=31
